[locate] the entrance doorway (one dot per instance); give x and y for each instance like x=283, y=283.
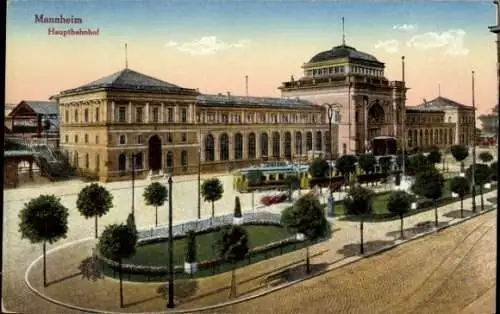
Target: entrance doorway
x=154, y=153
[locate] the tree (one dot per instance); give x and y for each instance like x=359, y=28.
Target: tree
x=254, y=178
x=417, y=164
x=212, y=191
x=494, y=171
x=399, y=203
x=191, y=247
x=95, y=201
x=155, y=194
x=460, y=153
x=429, y=184
x=306, y=217
x=434, y=156
x=367, y=163
x=460, y=186
x=233, y=247
x=43, y=219
x=118, y=242
x=237, y=207
x=131, y=224
x=482, y=174
x=385, y=164
x=319, y=168
x=292, y=182
x=346, y=165
x=485, y=157
x=359, y=202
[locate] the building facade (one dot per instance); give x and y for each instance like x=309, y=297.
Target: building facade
x=128, y=117
x=372, y=106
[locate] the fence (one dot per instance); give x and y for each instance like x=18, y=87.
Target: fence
x=179, y=230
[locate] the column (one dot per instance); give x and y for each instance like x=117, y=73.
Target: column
x=216, y=146
x=113, y=113
x=365, y=121
x=231, y=145
x=201, y=142
x=258, y=147
x=147, y=112
x=176, y=113
x=245, y=145
x=162, y=113
x=130, y=112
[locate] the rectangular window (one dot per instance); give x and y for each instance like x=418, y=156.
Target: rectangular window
x=169, y=137
x=97, y=114
x=86, y=115
x=184, y=115
x=170, y=115
x=139, y=139
x=97, y=139
x=138, y=114
x=66, y=138
x=156, y=116
x=66, y=116
x=183, y=137
x=122, y=113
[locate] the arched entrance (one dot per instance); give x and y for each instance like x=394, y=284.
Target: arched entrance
x=154, y=153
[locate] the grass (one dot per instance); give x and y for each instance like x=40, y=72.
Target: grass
x=156, y=254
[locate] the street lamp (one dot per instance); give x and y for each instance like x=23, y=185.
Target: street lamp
x=199, y=175
x=330, y=112
x=473, y=179
x=133, y=182
x=170, y=303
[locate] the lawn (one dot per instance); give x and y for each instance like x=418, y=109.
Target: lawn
x=156, y=254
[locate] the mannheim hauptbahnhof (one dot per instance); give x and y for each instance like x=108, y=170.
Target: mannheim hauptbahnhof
x=107, y=125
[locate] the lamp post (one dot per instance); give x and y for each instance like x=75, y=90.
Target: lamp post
x=199, y=175
x=133, y=183
x=473, y=179
x=331, y=108
x=170, y=303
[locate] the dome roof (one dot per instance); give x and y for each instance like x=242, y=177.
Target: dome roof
x=343, y=51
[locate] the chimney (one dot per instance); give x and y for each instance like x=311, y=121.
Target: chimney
x=228, y=94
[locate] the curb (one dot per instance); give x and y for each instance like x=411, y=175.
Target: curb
x=335, y=265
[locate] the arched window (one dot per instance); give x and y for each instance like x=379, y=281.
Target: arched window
x=238, y=146
x=209, y=148
x=318, y=141
x=251, y=146
x=86, y=160
x=328, y=142
x=139, y=161
x=276, y=145
x=86, y=138
x=309, y=141
x=97, y=163
x=426, y=137
x=76, y=116
x=264, y=145
x=184, y=160
x=122, y=162
x=170, y=162
x=224, y=147
x=288, y=145
x=75, y=159
x=122, y=140
x=450, y=133
x=410, y=138
x=298, y=143
x=421, y=138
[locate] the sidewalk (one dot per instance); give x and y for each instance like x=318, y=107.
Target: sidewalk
x=342, y=248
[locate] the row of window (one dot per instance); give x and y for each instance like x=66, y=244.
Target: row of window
x=254, y=117
x=122, y=111
x=139, y=161
x=122, y=138
x=327, y=71
x=86, y=115
x=422, y=118
x=85, y=139
x=223, y=145
x=427, y=137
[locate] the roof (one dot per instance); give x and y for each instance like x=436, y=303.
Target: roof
x=39, y=107
x=243, y=101
x=130, y=80
x=443, y=103
x=8, y=108
x=344, y=51
x=422, y=109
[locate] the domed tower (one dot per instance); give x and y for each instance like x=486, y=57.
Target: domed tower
x=370, y=105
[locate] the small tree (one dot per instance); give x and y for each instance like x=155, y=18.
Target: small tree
x=346, y=165
x=191, y=247
x=306, y=217
x=367, y=163
x=94, y=201
x=460, y=153
x=399, y=203
x=359, y=202
x=237, y=207
x=118, y=242
x=43, y=219
x=494, y=171
x=417, y=164
x=460, y=186
x=254, y=178
x=212, y=191
x=131, y=224
x=292, y=182
x=233, y=247
x=429, y=184
x=485, y=157
x=155, y=194
x=319, y=168
x=385, y=164
x=434, y=157
x=482, y=175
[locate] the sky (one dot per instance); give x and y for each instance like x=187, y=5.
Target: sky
x=212, y=44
